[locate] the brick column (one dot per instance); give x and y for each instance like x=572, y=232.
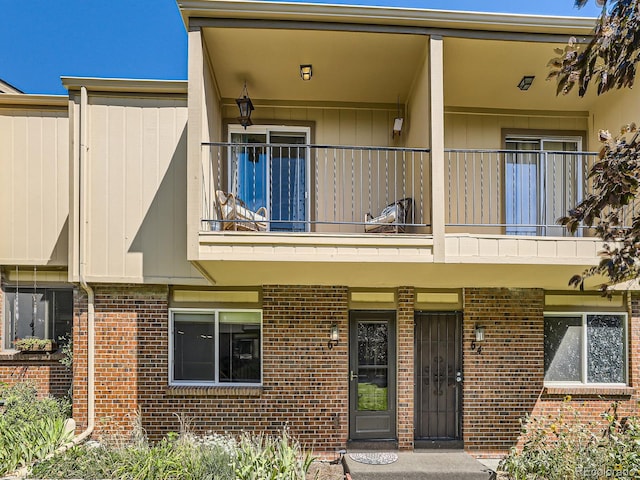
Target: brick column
x=503, y=383
x=405, y=362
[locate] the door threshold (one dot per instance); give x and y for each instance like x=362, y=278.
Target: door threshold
x=437, y=444
x=353, y=445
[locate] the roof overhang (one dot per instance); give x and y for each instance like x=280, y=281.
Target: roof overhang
x=424, y=18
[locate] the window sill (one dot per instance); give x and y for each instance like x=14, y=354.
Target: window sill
x=16, y=356
x=212, y=391
x=585, y=391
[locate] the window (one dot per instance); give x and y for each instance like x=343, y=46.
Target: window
x=45, y=313
x=270, y=168
x=585, y=348
x=543, y=180
x=216, y=347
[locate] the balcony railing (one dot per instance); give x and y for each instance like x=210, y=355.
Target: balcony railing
x=346, y=189
x=513, y=192
x=315, y=188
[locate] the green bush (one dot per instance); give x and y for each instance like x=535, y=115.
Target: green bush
x=185, y=456
x=565, y=448
x=30, y=427
x=262, y=457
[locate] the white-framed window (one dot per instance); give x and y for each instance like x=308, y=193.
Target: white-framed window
x=585, y=348
x=215, y=347
x=45, y=313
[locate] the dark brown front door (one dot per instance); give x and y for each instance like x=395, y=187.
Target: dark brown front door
x=438, y=376
x=372, y=370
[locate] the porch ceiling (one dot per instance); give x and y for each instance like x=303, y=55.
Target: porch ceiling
x=347, y=66
x=485, y=74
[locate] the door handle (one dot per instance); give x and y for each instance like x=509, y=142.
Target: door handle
x=459, y=377
x=353, y=376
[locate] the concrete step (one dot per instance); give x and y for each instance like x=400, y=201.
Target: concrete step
x=422, y=465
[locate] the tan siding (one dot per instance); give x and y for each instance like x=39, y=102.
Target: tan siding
x=137, y=190
x=34, y=186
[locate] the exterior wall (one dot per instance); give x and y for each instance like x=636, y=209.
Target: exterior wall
x=34, y=185
x=612, y=110
x=305, y=384
x=135, y=179
x=406, y=368
x=502, y=384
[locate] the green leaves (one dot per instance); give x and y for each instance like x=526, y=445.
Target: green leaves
x=611, y=211
x=610, y=57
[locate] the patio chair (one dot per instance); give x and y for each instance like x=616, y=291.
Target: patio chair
x=393, y=218
x=235, y=215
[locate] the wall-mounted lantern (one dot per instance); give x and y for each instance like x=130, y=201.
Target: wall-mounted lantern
x=245, y=106
x=479, y=338
x=334, y=336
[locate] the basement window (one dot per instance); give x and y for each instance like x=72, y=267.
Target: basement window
x=585, y=349
x=45, y=313
x=215, y=347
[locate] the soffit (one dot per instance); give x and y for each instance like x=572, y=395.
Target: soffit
x=347, y=66
x=485, y=74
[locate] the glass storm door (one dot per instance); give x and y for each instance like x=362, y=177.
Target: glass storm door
x=542, y=183
x=269, y=168
x=438, y=367
x=372, y=385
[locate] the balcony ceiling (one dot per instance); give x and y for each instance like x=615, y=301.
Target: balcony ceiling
x=485, y=74
x=347, y=66
x=360, y=67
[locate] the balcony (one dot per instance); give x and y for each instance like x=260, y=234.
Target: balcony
x=320, y=189
x=331, y=189
x=322, y=207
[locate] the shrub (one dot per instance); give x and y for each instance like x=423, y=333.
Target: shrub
x=30, y=428
x=564, y=447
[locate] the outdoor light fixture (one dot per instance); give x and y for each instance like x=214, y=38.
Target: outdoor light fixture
x=397, y=122
x=334, y=336
x=526, y=82
x=245, y=106
x=306, y=72
x=479, y=334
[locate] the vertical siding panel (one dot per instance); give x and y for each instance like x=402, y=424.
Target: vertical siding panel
x=134, y=202
x=99, y=183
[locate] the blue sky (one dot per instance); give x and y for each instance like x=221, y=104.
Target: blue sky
x=43, y=40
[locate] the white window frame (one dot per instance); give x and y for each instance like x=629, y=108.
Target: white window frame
x=216, y=314
x=583, y=343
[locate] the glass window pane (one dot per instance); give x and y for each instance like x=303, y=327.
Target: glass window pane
x=240, y=347
x=372, y=389
x=605, y=349
x=562, y=349
x=62, y=314
x=194, y=347
x=372, y=343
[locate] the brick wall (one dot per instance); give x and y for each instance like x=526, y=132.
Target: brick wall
x=406, y=389
x=305, y=384
x=502, y=384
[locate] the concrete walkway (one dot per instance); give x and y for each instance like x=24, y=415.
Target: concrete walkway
x=423, y=465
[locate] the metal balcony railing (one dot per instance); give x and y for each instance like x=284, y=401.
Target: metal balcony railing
x=315, y=188
x=514, y=192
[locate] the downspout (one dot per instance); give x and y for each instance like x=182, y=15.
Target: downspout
x=84, y=101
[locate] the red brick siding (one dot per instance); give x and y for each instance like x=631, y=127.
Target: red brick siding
x=406, y=373
x=305, y=383
x=502, y=384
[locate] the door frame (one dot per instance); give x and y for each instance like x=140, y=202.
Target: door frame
x=267, y=131
x=391, y=317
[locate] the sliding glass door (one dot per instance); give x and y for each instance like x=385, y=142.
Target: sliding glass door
x=543, y=180
x=269, y=167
